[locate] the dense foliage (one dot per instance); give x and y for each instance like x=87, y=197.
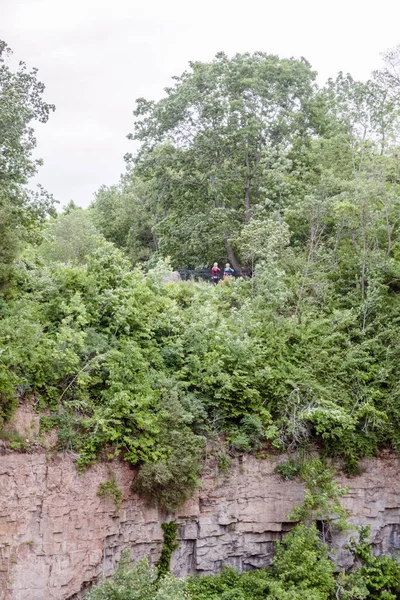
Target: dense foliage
x=139, y=583
x=246, y=159
x=301, y=569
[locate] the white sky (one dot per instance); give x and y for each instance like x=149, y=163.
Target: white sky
x=96, y=57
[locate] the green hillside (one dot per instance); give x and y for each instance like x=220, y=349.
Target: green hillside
x=246, y=160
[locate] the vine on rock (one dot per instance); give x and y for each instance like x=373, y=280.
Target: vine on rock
x=170, y=531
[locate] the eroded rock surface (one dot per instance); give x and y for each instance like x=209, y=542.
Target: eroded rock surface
x=57, y=536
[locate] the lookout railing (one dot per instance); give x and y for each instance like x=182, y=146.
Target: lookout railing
x=205, y=274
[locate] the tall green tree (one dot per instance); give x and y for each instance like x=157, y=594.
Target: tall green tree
x=70, y=237
x=21, y=103
x=123, y=213
x=212, y=147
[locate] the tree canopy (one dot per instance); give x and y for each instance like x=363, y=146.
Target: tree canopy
x=21, y=211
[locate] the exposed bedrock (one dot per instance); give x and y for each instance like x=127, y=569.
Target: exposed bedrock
x=57, y=536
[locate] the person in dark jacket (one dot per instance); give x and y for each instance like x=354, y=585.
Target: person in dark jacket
x=228, y=271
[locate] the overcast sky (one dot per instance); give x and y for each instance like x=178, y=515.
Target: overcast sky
x=96, y=57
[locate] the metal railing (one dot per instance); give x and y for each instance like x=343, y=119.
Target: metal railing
x=201, y=274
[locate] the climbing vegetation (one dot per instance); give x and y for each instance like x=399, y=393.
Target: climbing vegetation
x=321, y=498
x=170, y=532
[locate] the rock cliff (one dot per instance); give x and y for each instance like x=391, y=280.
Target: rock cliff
x=57, y=536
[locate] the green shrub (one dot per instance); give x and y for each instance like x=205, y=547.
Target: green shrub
x=249, y=435
x=171, y=481
x=289, y=469
x=139, y=583
x=229, y=584
x=224, y=462
x=15, y=439
x=128, y=583
x=302, y=566
x=110, y=489
x=377, y=576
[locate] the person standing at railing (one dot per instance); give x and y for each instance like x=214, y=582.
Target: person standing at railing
x=228, y=271
x=215, y=273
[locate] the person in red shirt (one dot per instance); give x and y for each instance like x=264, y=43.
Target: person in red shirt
x=215, y=271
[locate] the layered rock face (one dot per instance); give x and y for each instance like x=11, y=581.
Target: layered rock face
x=57, y=536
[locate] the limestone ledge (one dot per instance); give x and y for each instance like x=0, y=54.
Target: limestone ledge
x=57, y=536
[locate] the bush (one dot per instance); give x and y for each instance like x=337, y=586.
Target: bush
x=229, y=584
x=301, y=567
x=171, y=481
x=224, y=462
x=289, y=469
x=139, y=583
x=378, y=577
x=249, y=435
x=128, y=583
x=15, y=439
x=110, y=489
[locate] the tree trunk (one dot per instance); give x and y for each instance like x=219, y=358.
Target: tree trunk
x=231, y=255
x=247, y=194
x=247, y=201
x=364, y=247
